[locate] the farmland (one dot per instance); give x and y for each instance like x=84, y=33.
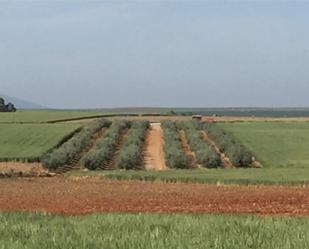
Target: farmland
x=276, y=144
x=30, y=141
x=23, y=230
x=163, y=171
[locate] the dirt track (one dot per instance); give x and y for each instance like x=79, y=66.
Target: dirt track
x=89, y=195
x=154, y=154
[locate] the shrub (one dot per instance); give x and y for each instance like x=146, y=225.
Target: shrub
x=239, y=155
x=131, y=155
x=205, y=154
x=103, y=151
x=65, y=153
x=174, y=154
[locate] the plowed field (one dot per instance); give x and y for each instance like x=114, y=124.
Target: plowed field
x=72, y=196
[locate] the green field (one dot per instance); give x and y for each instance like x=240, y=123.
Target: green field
x=115, y=231
x=276, y=144
x=30, y=141
x=43, y=116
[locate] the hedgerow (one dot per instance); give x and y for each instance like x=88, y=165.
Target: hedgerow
x=174, y=154
x=65, y=153
x=131, y=155
x=103, y=151
x=205, y=154
x=239, y=155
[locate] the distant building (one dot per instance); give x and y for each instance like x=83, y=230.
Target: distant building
x=197, y=117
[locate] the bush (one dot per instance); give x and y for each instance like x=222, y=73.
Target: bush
x=131, y=155
x=65, y=153
x=103, y=151
x=239, y=155
x=174, y=154
x=205, y=154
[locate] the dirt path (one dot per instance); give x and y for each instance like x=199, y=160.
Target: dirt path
x=154, y=154
x=187, y=150
x=21, y=167
x=226, y=163
x=90, y=195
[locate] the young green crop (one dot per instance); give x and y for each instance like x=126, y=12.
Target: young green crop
x=132, y=231
x=28, y=142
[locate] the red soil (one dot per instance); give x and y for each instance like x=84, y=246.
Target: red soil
x=76, y=196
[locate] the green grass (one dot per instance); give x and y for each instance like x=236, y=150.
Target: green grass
x=270, y=176
x=29, y=141
x=43, y=116
x=129, y=231
x=276, y=144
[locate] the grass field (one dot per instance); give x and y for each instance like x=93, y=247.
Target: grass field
x=29, y=141
x=29, y=230
x=43, y=116
x=276, y=144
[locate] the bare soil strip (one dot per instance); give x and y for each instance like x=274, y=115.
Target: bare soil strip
x=154, y=154
x=187, y=150
x=226, y=163
x=77, y=196
x=121, y=140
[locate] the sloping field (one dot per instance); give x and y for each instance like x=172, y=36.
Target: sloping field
x=128, y=231
x=43, y=116
x=276, y=144
x=30, y=141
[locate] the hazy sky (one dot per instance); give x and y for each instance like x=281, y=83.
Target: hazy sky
x=82, y=54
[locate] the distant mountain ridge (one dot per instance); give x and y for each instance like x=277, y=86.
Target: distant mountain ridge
x=20, y=103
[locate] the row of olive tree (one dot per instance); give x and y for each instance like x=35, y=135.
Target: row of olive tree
x=174, y=154
x=205, y=154
x=131, y=155
x=102, y=152
x=239, y=155
x=64, y=154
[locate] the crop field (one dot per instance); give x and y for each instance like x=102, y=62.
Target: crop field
x=30, y=141
x=276, y=144
x=24, y=230
x=193, y=184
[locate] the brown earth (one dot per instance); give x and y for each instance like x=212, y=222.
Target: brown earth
x=76, y=196
x=21, y=167
x=154, y=154
x=187, y=150
x=226, y=163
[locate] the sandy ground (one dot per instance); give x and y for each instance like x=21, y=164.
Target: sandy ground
x=75, y=196
x=21, y=167
x=154, y=154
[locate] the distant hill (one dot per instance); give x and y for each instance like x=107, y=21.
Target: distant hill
x=20, y=103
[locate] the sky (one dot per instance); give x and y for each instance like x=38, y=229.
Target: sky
x=101, y=54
